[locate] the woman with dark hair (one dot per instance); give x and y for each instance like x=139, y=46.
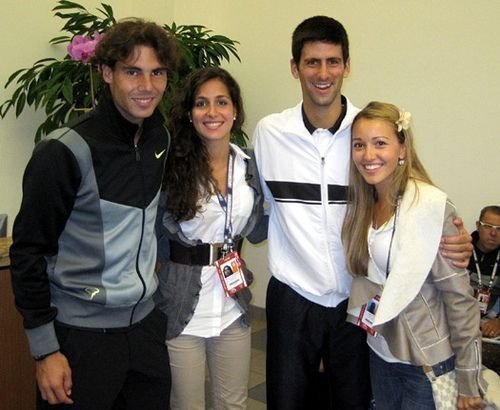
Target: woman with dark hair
x=423, y=321
x=213, y=201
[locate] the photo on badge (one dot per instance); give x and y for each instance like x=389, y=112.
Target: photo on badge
x=230, y=270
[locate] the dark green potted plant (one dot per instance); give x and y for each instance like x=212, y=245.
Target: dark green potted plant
x=66, y=87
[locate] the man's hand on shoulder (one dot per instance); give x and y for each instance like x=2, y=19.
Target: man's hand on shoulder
x=457, y=248
x=491, y=328
x=53, y=376
x=469, y=403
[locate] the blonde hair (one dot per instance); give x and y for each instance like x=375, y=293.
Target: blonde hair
x=362, y=196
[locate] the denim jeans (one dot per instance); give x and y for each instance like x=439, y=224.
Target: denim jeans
x=398, y=386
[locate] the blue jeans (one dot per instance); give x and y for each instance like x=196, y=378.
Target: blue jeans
x=398, y=386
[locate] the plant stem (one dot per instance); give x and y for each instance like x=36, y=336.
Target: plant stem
x=92, y=94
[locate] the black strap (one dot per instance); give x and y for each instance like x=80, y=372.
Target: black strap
x=195, y=255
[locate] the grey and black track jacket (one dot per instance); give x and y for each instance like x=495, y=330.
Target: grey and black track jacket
x=84, y=247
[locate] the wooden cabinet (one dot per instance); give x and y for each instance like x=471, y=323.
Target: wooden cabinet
x=17, y=368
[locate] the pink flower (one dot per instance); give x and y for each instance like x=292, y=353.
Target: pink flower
x=82, y=48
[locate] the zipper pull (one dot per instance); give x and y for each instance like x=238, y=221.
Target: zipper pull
x=137, y=137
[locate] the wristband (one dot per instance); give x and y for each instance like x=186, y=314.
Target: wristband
x=39, y=358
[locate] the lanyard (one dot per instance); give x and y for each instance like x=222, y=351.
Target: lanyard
x=227, y=206
x=493, y=273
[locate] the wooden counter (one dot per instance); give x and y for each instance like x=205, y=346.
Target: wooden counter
x=17, y=368
x=4, y=252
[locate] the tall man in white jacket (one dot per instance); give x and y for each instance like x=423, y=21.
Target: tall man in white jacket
x=303, y=156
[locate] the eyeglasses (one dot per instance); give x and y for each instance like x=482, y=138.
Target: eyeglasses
x=489, y=227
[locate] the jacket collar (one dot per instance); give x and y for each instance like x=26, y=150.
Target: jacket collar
x=335, y=127
x=416, y=242
x=113, y=119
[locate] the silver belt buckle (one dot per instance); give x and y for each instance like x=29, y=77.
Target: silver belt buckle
x=214, y=252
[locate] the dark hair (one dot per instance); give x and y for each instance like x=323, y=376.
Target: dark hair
x=319, y=28
x=494, y=209
x=119, y=42
x=188, y=176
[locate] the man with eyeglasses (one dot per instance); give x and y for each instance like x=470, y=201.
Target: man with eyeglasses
x=485, y=276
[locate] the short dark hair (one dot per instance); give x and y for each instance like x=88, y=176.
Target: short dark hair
x=319, y=28
x=494, y=209
x=119, y=42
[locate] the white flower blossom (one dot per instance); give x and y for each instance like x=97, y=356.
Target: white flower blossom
x=403, y=122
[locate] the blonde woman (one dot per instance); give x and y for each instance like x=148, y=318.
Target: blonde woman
x=418, y=310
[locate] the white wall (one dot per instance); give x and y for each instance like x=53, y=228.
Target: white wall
x=439, y=60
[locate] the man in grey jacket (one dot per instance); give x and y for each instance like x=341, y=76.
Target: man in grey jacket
x=84, y=248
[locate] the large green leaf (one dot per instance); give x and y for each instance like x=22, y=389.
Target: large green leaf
x=67, y=90
x=21, y=100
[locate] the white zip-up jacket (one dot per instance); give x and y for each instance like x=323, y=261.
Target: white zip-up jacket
x=304, y=179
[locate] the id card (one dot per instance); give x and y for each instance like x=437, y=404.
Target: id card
x=230, y=270
x=483, y=298
x=367, y=315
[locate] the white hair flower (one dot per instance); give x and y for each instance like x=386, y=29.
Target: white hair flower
x=403, y=122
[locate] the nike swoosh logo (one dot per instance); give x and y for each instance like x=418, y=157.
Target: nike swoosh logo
x=158, y=155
